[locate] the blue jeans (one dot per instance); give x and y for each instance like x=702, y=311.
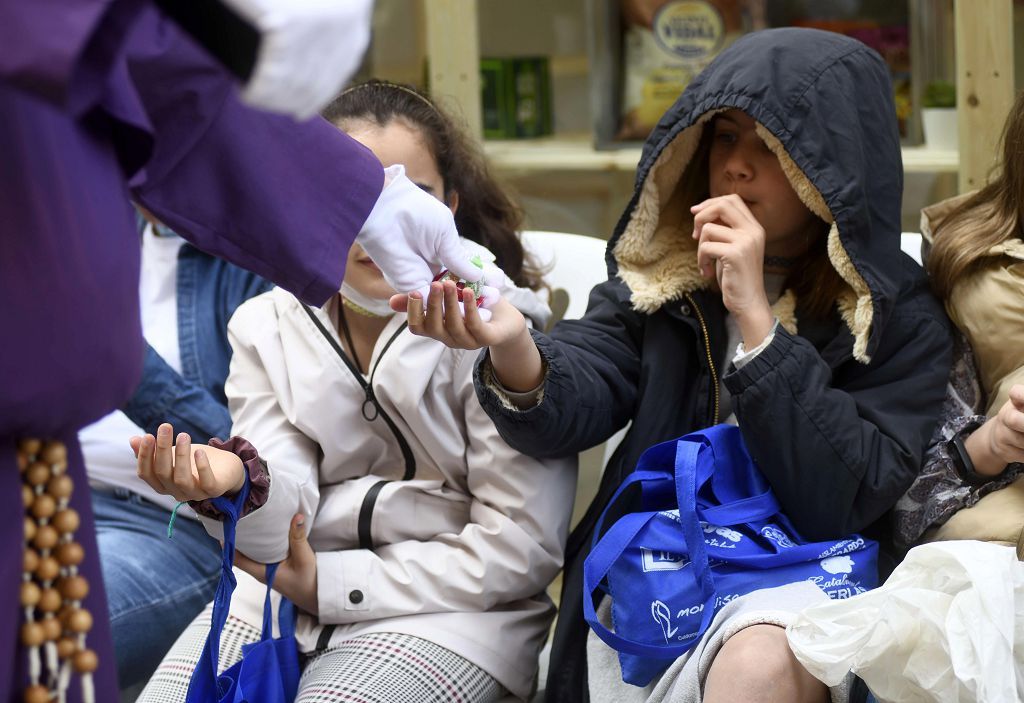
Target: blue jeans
x=155, y=586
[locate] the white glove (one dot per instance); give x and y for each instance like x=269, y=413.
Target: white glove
x=308, y=51
x=411, y=236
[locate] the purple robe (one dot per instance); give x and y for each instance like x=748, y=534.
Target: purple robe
x=102, y=101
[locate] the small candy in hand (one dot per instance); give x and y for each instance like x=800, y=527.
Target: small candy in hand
x=461, y=284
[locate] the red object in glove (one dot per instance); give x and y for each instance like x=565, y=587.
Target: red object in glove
x=460, y=284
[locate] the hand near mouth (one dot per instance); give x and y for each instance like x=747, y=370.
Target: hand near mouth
x=730, y=247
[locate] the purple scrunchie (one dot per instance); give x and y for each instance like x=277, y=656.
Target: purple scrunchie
x=259, y=478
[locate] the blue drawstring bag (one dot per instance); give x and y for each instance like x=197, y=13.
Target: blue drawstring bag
x=709, y=530
x=269, y=669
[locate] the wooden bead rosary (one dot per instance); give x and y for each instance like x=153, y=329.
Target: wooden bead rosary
x=52, y=590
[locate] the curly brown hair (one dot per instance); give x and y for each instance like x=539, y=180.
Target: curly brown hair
x=486, y=214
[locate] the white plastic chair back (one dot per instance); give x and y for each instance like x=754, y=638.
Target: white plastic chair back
x=910, y=242
x=573, y=263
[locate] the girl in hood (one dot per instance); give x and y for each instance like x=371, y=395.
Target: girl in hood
x=976, y=261
x=430, y=540
x=756, y=277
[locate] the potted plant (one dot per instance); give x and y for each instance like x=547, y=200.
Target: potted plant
x=938, y=115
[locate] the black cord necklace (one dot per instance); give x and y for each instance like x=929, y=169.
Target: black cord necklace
x=782, y=262
x=343, y=324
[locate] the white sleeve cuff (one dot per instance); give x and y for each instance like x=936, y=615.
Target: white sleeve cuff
x=342, y=584
x=742, y=357
x=512, y=400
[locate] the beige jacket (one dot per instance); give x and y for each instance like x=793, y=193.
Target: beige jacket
x=462, y=552
x=988, y=307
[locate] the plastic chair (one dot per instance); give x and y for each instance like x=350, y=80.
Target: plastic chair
x=572, y=265
x=910, y=242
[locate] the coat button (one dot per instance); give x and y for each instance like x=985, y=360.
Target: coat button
x=356, y=597
x=685, y=309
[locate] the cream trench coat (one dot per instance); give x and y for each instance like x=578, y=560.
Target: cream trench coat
x=462, y=551
x=988, y=307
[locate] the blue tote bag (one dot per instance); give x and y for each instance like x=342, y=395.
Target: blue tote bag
x=269, y=669
x=709, y=530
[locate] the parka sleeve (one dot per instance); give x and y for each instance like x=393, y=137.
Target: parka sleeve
x=839, y=452
x=510, y=548
x=593, y=372
x=291, y=457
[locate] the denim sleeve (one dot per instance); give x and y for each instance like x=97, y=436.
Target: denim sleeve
x=164, y=395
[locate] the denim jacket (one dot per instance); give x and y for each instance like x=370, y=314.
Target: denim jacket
x=208, y=290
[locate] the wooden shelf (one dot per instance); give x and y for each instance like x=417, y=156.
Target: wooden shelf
x=921, y=159
x=578, y=154
x=559, y=154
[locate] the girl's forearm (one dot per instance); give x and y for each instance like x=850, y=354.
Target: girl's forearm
x=517, y=363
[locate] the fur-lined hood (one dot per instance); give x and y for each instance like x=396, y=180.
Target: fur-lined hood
x=838, y=147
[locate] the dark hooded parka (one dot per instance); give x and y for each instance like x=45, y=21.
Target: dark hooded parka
x=836, y=411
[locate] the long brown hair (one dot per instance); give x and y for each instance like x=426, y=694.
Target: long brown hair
x=814, y=279
x=486, y=214
x=991, y=216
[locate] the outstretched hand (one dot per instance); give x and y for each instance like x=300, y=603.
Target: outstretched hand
x=183, y=473
x=296, y=575
x=457, y=323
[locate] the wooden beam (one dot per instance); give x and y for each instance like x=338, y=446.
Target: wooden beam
x=984, y=83
x=453, y=50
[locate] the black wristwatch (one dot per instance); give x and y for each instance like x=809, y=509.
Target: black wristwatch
x=962, y=459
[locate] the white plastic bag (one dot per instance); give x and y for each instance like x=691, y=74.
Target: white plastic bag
x=947, y=626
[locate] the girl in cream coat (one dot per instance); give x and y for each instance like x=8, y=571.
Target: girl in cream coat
x=430, y=540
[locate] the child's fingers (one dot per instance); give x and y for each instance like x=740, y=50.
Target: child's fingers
x=183, y=478
x=1017, y=396
x=433, y=321
x=207, y=479
x=399, y=302
x=474, y=325
x=144, y=464
x=708, y=253
x=715, y=232
x=135, y=442
x=300, y=553
x=453, y=315
x=163, y=457
x=417, y=315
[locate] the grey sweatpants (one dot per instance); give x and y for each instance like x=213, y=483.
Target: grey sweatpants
x=683, y=681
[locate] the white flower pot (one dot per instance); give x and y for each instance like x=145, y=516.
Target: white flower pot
x=940, y=128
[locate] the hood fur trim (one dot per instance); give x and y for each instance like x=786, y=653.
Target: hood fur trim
x=785, y=310
x=656, y=254
x=805, y=190
x=855, y=306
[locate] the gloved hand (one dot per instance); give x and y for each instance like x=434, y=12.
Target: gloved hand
x=308, y=51
x=411, y=236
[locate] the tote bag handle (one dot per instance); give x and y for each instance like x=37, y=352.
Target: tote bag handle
x=203, y=687
x=618, y=538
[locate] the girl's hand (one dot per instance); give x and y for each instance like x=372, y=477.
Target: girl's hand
x=1000, y=441
x=184, y=473
x=445, y=321
x=731, y=247
x=514, y=356
x=296, y=575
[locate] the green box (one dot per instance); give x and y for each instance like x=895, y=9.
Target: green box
x=515, y=97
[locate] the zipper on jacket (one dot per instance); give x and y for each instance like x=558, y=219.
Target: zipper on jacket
x=707, y=351
x=370, y=499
